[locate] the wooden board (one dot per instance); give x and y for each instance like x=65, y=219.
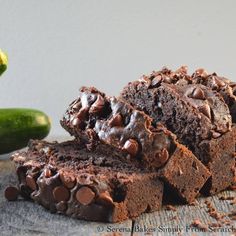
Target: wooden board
x=27, y=218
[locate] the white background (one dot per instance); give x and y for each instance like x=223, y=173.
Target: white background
x=56, y=46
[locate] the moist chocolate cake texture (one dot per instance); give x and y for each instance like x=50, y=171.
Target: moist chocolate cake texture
x=198, y=116
x=101, y=185
x=118, y=124
x=170, y=134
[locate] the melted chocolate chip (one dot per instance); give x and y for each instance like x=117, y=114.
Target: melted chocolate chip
x=219, y=82
x=31, y=182
x=98, y=105
x=85, y=195
x=206, y=110
x=131, y=146
x=11, y=193
x=116, y=120
x=61, y=193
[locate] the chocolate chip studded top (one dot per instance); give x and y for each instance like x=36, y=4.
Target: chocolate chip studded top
x=220, y=84
x=164, y=75
x=210, y=104
x=94, y=116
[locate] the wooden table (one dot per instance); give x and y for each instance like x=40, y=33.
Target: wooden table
x=27, y=218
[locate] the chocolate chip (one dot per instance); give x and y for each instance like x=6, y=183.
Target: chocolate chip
x=198, y=93
x=156, y=81
x=206, y=110
x=47, y=173
x=167, y=79
x=220, y=83
x=183, y=81
x=61, y=193
x=68, y=181
x=98, y=105
x=31, y=182
x=85, y=195
x=131, y=146
x=11, y=193
x=105, y=198
x=200, y=72
x=116, y=120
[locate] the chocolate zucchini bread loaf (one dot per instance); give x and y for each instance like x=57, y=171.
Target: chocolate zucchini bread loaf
x=94, y=117
x=196, y=114
x=102, y=185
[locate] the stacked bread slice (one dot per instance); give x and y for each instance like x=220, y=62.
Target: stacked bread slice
x=199, y=109
x=169, y=134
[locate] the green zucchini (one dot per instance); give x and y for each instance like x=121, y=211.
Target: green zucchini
x=3, y=62
x=19, y=125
